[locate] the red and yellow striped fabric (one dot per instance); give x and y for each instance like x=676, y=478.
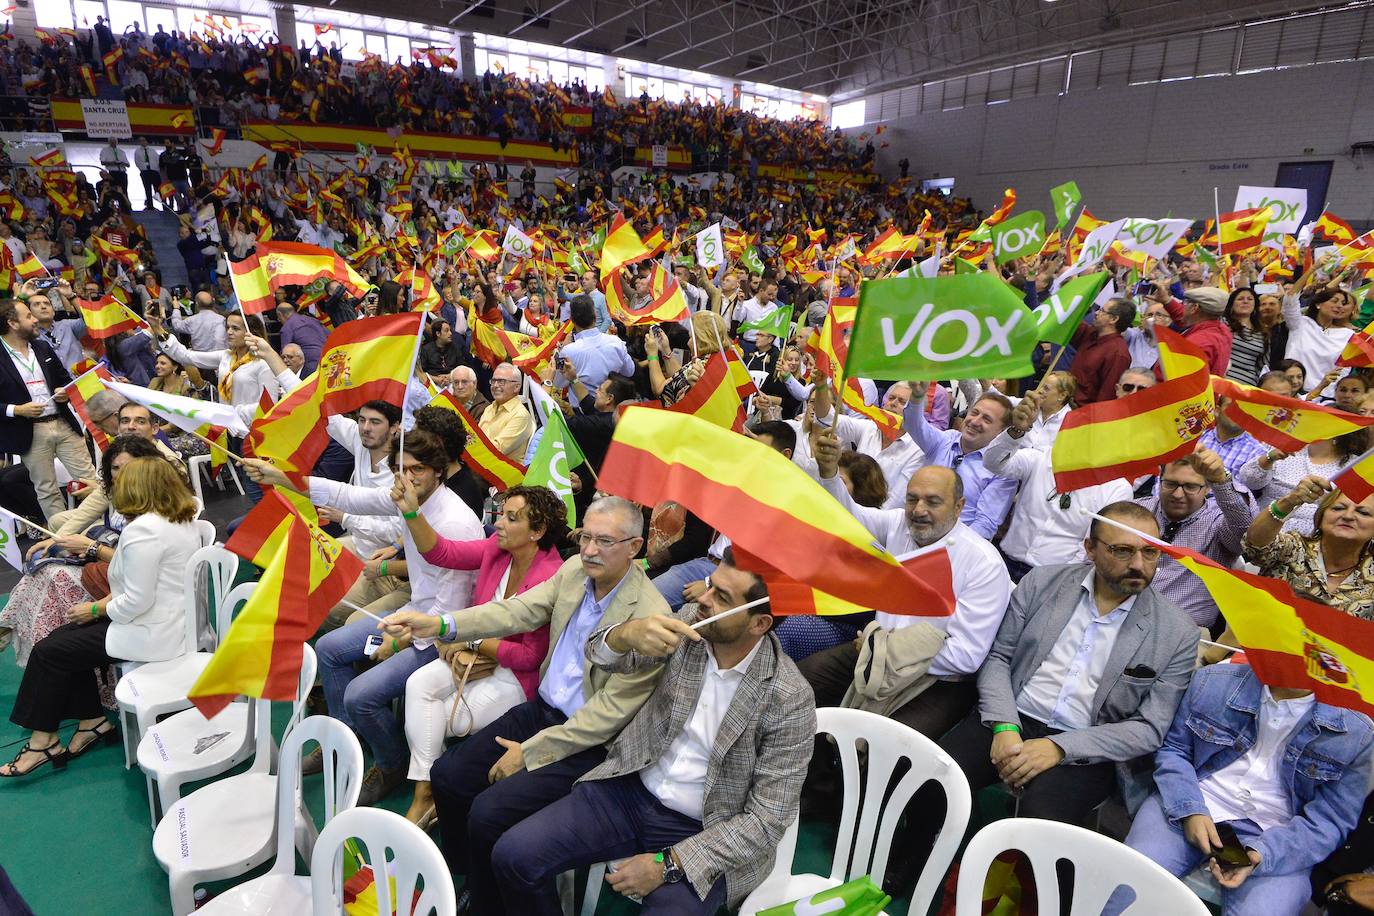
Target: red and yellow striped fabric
x=891, y=245
x=485, y=459
x=1242, y=230
x=297, y=264
x=1133, y=435
x=260, y=656
x=106, y=249
x=106, y=317
x=657, y=455
x=666, y=301
x=84, y=387
x=789, y=598
x=1288, y=424
x=621, y=247
x=1333, y=228
x=1359, y=350
x=251, y=285
x=715, y=397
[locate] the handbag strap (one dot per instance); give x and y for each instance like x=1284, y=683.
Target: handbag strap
x=462, y=683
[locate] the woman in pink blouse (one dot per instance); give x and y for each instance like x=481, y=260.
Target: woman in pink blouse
x=522, y=554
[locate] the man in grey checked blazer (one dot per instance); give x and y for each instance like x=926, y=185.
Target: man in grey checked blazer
x=697, y=790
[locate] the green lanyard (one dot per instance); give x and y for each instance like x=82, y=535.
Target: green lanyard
x=29, y=365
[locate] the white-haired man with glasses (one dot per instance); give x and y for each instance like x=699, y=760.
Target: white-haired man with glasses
x=533, y=754
x=506, y=421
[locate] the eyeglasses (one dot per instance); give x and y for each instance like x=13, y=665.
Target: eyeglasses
x=1129, y=388
x=1192, y=489
x=602, y=541
x=1124, y=553
x=505, y=381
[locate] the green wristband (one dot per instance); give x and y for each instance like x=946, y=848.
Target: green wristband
x=443, y=626
x=394, y=647
x=652, y=357
x=1278, y=514
x=384, y=567
x=1006, y=727
x=410, y=516
x=95, y=609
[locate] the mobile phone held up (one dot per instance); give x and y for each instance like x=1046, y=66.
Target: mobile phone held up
x=1232, y=853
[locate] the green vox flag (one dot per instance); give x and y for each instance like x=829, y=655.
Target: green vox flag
x=1058, y=316
x=964, y=266
x=860, y=897
x=598, y=239
x=553, y=460
x=455, y=169
x=577, y=264
x=1066, y=198
x=750, y=259
x=962, y=326
x=775, y=322
x=1018, y=237
x=455, y=242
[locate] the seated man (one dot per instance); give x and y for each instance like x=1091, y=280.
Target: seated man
x=1086, y=672
x=532, y=755
x=1286, y=772
x=748, y=736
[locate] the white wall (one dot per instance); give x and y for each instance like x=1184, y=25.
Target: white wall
x=1151, y=149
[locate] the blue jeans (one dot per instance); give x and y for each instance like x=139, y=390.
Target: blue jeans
x=363, y=701
x=671, y=581
x=1271, y=894
x=601, y=821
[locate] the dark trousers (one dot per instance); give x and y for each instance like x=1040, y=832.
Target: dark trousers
x=1015, y=568
x=600, y=821
x=474, y=814
x=1062, y=793
x=151, y=179
x=59, y=682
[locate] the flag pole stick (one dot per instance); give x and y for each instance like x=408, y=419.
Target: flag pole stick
x=1220, y=645
x=214, y=444
x=730, y=613
x=23, y=521
x=1216, y=205
x=361, y=610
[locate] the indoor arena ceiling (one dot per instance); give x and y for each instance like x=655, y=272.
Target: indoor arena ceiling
x=846, y=47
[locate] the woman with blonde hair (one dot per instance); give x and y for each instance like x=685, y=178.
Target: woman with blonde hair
x=669, y=378
x=143, y=619
x=1056, y=400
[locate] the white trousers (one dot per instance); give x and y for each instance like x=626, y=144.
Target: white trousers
x=431, y=695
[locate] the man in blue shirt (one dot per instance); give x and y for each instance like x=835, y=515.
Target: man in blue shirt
x=586, y=287
x=987, y=497
x=593, y=355
x=532, y=755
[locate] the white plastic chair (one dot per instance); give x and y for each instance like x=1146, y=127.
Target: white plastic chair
x=1100, y=866
x=186, y=747
x=281, y=892
x=397, y=850
x=230, y=827
x=147, y=691
x=864, y=851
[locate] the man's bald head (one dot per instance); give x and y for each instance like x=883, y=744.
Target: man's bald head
x=934, y=499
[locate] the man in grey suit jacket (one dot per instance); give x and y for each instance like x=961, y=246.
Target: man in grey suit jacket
x=533, y=754
x=1086, y=672
x=696, y=792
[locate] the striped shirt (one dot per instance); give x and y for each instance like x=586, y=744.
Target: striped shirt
x=1249, y=356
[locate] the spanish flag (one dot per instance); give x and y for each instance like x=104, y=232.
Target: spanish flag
x=485, y=459
x=1290, y=641
x=484, y=245
x=251, y=285
x=622, y=246
x=1333, y=228
x=891, y=245
x=489, y=343
x=84, y=387
x=714, y=397
x=1003, y=209
x=657, y=456
x=306, y=574
x=297, y=264
x=1242, y=230
x=789, y=598
x=1359, y=350
x=30, y=268
x=666, y=302
x=1288, y=424
x=107, y=316
x=107, y=249
x=216, y=141
x=655, y=242
x=531, y=359
x=1134, y=435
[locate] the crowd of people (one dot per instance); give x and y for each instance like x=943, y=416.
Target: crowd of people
x=556, y=706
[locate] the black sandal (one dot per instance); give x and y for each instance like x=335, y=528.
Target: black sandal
x=58, y=760
x=109, y=736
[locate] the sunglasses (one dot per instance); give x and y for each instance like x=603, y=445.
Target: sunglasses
x=1130, y=388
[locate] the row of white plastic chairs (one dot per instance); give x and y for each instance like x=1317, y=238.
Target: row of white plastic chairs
x=231, y=826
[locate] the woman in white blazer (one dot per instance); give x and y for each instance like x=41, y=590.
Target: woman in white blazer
x=143, y=619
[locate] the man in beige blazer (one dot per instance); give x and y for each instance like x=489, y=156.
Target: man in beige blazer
x=532, y=755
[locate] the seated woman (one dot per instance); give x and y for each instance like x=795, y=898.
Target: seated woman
x=1335, y=562
x=470, y=684
x=143, y=619
x=805, y=635
x=54, y=582
x=172, y=377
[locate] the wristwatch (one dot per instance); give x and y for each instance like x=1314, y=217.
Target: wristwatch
x=672, y=872
x=93, y=552
x=474, y=645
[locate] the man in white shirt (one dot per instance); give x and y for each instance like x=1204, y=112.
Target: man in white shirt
x=1047, y=527
x=934, y=499
x=753, y=309
x=747, y=736
x=146, y=161
x=363, y=701
x=116, y=165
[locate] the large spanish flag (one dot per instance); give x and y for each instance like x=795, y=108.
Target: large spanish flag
x=107, y=316
x=789, y=598
x=764, y=503
x=485, y=459
x=106, y=249
x=1359, y=350
x=622, y=246
x=297, y=264
x=251, y=285
x=1290, y=641
x=1285, y=423
x=1333, y=228
x=1357, y=481
x=666, y=301
x=1242, y=230
x=891, y=245
x=306, y=574
x=1134, y=435
x=714, y=397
